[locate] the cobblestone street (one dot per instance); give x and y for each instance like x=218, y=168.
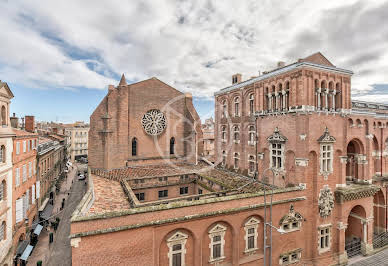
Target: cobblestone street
x=59, y=252
x=378, y=259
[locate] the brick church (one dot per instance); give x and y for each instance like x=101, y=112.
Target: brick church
x=292, y=132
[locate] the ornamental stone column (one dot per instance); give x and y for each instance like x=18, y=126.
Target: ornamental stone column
x=276, y=100
x=269, y=102
x=342, y=255
x=284, y=100
x=333, y=101
x=326, y=98
x=319, y=99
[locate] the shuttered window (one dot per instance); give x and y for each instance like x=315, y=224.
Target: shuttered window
x=17, y=176
x=19, y=210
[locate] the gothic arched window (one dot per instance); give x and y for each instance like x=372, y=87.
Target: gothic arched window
x=134, y=146
x=172, y=144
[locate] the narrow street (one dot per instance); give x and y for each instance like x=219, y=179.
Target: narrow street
x=59, y=252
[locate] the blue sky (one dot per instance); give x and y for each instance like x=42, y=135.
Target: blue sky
x=58, y=57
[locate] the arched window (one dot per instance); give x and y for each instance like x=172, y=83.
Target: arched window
x=176, y=249
x=223, y=158
x=251, y=161
x=236, y=160
x=223, y=133
x=236, y=134
x=224, y=109
x=251, y=104
x=134, y=146
x=251, y=234
x=3, y=190
x=251, y=134
x=2, y=231
x=236, y=106
x=172, y=145
x=2, y=154
x=3, y=116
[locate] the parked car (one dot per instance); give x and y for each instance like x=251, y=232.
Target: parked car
x=81, y=177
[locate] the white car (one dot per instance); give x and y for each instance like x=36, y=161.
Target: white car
x=81, y=177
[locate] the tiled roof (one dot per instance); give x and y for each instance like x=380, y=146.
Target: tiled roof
x=109, y=196
x=43, y=140
x=22, y=133
x=227, y=179
x=57, y=137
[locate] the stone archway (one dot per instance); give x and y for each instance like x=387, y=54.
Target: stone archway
x=355, y=161
x=356, y=234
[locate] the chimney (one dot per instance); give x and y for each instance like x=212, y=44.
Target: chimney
x=14, y=121
x=30, y=123
x=281, y=64
x=236, y=78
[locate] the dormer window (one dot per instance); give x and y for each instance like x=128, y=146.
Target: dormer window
x=291, y=221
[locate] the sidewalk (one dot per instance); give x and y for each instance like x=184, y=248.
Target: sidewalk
x=43, y=249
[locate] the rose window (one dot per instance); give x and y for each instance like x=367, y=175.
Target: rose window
x=154, y=122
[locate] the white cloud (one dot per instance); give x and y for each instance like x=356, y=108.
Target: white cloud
x=176, y=41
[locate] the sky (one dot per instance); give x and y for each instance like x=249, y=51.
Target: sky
x=58, y=57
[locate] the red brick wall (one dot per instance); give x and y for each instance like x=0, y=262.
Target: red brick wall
x=120, y=113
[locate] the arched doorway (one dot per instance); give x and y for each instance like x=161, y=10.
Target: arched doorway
x=379, y=213
x=355, y=158
x=356, y=232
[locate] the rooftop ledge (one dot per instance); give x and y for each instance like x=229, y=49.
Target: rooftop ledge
x=78, y=217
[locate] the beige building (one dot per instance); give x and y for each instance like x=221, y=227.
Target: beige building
x=208, y=139
x=78, y=137
x=6, y=148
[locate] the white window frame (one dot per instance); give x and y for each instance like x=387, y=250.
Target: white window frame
x=224, y=133
x=288, y=255
x=278, y=148
x=177, y=238
x=29, y=169
x=251, y=103
x=24, y=173
x=324, y=232
x=224, y=113
x=17, y=177
x=236, y=156
x=17, y=147
x=24, y=146
x=236, y=132
x=326, y=160
x=217, y=230
x=251, y=135
x=236, y=106
x=252, y=223
x=251, y=159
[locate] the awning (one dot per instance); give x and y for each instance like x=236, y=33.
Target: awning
x=38, y=229
x=41, y=208
x=47, y=212
x=21, y=247
x=26, y=252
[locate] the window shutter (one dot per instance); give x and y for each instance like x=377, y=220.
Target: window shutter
x=19, y=210
x=33, y=194
x=37, y=189
x=17, y=147
x=28, y=198
x=24, y=206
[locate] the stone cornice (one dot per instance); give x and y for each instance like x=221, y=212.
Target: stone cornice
x=354, y=192
x=181, y=219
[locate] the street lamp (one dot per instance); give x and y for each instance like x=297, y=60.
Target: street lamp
x=270, y=219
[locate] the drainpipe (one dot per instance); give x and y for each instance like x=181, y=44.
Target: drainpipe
x=381, y=153
x=386, y=209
